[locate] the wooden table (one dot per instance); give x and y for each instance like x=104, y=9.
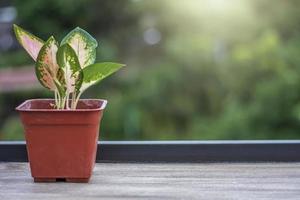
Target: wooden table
x=161, y=181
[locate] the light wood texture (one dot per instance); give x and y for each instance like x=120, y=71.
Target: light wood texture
x=161, y=181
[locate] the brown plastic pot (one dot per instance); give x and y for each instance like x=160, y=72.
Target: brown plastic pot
x=61, y=144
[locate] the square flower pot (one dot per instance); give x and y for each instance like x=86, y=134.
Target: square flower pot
x=61, y=144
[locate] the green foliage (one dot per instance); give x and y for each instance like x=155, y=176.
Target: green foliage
x=83, y=44
x=219, y=71
x=69, y=63
x=46, y=67
x=62, y=68
x=12, y=129
x=96, y=72
x=31, y=43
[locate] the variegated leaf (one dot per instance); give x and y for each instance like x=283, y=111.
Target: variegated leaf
x=30, y=43
x=83, y=44
x=60, y=82
x=97, y=72
x=68, y=62
x=46, y=65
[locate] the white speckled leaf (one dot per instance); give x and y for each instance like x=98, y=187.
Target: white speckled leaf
x=94, y=73
x=46, y=65
x=69, y=64
x=30, y=43
x=83, y=44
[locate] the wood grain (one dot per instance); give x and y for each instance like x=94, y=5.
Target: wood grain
x=161, y=181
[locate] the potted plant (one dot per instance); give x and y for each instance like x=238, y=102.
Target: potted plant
x=62, y=133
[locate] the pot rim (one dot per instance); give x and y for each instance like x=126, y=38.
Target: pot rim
x=22, y=109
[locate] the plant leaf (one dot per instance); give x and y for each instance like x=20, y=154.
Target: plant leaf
x=69, y=63
x=30, y=43
x=46, y=67
x=60, y=82
x=94, y=73
x=83, y=44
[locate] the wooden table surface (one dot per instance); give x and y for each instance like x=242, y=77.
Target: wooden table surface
x=161, y=181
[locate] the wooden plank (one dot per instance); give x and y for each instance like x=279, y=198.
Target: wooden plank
x=161, y=181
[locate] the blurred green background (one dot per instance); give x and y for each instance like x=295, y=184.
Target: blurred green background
x=196, y=69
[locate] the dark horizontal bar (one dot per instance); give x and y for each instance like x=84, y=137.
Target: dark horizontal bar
x=179, y=151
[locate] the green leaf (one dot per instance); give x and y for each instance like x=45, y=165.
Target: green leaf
x=94, y=73
x=46, y=67
x=83, y=44
x=60, y=82
x=69, y=63
x=30, y=43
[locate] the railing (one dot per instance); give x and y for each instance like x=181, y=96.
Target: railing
x=18, y=79
x=179, y=151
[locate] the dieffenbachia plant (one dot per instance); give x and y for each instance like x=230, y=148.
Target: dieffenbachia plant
x=68, y=68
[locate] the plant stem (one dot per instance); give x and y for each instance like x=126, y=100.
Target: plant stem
x=58, y=101
x=67, y=100
x=73, y=107
x=63, y=102
x=77, y=99
x=56, y=98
